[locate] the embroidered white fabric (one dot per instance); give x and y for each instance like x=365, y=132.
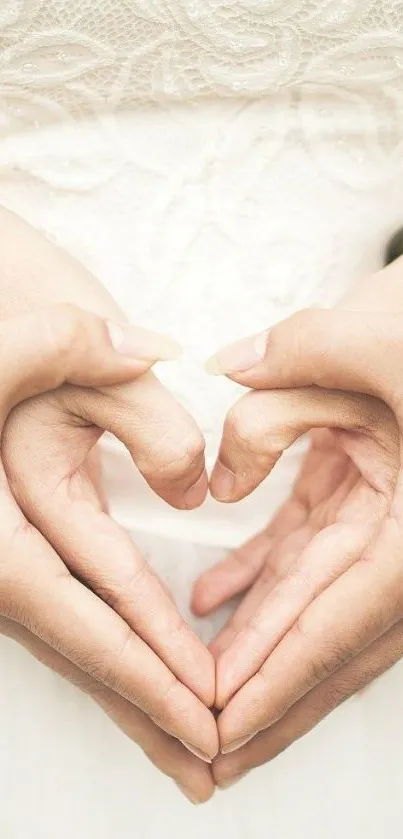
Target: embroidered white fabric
x=217, y=164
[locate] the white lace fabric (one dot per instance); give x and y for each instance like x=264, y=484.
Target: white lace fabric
x=63, y=59
x=217, y=164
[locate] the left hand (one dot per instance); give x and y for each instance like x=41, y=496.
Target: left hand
x=324, y=616
x=43, y=606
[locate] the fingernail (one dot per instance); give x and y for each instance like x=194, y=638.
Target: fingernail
x=196, y=494
x=237, y=744
x=238, y=357
x=222, y=481
x=188, y=793
x=196, y=752
x=230, y=782
x=144, y=344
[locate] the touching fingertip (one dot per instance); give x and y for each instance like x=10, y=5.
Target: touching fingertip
x=197, y=752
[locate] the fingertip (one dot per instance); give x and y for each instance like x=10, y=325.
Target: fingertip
x=229, y=487
x=214, y=648
x=204, y=599
x=233, y=736
x=142, y=344
x=222, y=483
x=195, y=496
x=239, y=357
x=198, y=604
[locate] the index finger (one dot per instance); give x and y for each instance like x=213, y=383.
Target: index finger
x=37, y=590
x=263, y=424
x=64, y=507
x=163, y=439
x=169, y=756
x=349, y=615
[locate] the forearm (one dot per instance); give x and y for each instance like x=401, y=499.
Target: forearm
x=35, y=273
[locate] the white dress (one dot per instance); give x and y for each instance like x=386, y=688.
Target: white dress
x=218, y=164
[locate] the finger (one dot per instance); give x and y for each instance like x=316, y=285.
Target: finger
x=309, y=711
x=163, y=440
x=38, y=592
x=280, y=559
x=64, y=344
x=325, y=483
x=262, y=425
x=93, y=470
x=348, y=616
x=166, y=753
x=238, y=571
x=328, y=554
x=334, y=349
x=41, y=351
x=231, y=576
x=67, y=511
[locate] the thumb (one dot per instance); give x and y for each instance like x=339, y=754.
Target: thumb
x=337, y=349
x=262, y=424
x=41, y=351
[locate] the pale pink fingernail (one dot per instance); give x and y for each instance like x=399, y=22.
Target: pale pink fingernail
x=144, y=344
x=196, y=494
x=222, y=482
x=238, y=357
x=196, y=752
x=237, y=744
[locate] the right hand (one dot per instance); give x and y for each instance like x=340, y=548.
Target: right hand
x=100, y=617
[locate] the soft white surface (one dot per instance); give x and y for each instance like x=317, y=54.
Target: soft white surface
x=66, y=772
x=208, y=219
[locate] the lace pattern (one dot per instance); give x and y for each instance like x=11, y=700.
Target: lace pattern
x=331, y=72
x=215, y=163
x=74, y=58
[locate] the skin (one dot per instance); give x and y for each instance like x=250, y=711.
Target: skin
x=322, y=614
x=145, y=665
x=93, y=628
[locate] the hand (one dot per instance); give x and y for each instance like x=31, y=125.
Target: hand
x=145, y=652
x=324, y=615
x=50, y=611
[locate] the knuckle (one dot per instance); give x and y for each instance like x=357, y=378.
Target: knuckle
x=165, y=714
x=175, y=457
x=127, y=581
x=108, y=666
x=179, y=631
x=334, y=694
x=247, y=424
x=65, y=334
x=168, y=694
x=258, y=423
x=321, y=660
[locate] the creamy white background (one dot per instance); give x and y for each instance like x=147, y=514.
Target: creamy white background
x=218, y=165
